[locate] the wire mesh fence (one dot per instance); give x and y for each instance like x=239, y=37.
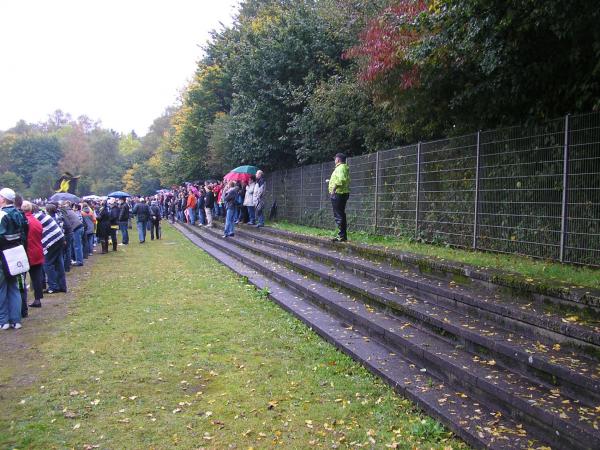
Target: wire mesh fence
x=531, y=190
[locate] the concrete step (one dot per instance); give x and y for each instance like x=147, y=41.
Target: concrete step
x=544, y=410
x=525, y=315
x=501, y=281
x=573, y=372
x=474, y=422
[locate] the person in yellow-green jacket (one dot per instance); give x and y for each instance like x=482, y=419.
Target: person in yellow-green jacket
x=339, y=191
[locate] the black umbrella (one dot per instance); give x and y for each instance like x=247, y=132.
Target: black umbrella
x=64, y=197
x=119, y=194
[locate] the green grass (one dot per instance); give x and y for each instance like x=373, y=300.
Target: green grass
x=538, y=270
x=163, y=347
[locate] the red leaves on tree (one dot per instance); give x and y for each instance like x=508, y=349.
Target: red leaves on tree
x=386, y=40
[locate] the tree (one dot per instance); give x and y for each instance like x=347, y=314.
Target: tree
x=455, y=66
x=29, y=153
x=340, y=116
x=42, y=182
x=12, y=180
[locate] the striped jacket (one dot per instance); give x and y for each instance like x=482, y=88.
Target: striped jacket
x=51, y=232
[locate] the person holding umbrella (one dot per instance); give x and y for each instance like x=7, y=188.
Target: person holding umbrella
x=339, y=191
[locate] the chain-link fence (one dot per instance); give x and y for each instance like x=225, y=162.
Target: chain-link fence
x=528, y=190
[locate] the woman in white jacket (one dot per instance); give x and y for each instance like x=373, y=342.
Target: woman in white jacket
x=248, y=199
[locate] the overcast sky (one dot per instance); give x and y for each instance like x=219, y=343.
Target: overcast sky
x=119, y=61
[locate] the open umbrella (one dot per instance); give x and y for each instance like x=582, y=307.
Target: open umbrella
x=241, y=173
x=246, y=169
x=234, y=176
x=64, y=197
x=119, y=194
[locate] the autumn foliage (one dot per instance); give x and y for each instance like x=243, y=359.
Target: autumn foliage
x=385, y=44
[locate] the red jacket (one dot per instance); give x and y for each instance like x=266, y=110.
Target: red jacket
x=35, y=251
x=191, y=201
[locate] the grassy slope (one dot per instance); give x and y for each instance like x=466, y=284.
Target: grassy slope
x=168, y=348
x=534, y=268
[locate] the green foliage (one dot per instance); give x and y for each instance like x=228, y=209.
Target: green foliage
x=28, y=153
x=339, y=116
x=252, y=98
x=12, y=180
x=464, y=65
x=39, y=154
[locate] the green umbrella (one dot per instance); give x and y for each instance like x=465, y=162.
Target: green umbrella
x=246, y=169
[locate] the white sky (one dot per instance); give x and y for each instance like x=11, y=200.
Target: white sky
x=120, y=61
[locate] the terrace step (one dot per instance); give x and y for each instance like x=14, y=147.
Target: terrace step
x=573, y=372
x=474, y=422
x=546, y=411
x=578, y=298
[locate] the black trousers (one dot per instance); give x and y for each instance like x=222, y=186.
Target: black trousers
x=154, y=227
x=113, y=238
x=338, y=202
x=37, y=281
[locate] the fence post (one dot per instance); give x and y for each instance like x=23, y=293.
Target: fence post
x=417, y=200
x=321, y=182
x=376, y=202
x=565, y=192
x=476, y=212
x=301, y=193
x=285, y=196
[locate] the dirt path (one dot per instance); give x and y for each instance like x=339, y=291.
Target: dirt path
x=20, y=358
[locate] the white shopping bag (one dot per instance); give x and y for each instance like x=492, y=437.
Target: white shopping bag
x=15, y=260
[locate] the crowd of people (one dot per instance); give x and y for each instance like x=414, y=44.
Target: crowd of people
x=63, y=235
x=235, y=201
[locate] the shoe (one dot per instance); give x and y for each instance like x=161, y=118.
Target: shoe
x=339, y=239
x=6, y=326
x=37, y=304
x=17, y=326
x=78, y=265
x=50, y=291
x=91, y=254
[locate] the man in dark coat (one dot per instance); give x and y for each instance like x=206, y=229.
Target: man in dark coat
x=124, y=222
x=115, y=213
x=142, y=213
x=154, y=220
x=103, y=227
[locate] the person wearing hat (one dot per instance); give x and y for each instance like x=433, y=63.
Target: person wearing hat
x=339, y=191
x=13, y=232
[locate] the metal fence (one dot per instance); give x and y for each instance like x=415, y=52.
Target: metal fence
x=528, y=190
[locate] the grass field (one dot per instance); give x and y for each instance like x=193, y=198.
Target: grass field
x=162, y=347
x=539, y=270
